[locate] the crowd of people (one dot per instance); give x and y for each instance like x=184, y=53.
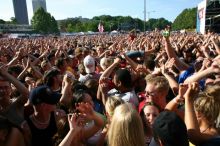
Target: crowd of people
x=125, y=89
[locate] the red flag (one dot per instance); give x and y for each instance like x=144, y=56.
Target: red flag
x=100, y=27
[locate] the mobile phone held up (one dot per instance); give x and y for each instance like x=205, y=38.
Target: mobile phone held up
x=166, y=33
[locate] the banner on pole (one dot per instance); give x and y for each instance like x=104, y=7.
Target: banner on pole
x=201, y=17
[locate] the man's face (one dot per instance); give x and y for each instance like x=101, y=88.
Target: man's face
x=100, y=50
x=116, y=82
x=5, y=89
x=153, y=94
x=58, y=79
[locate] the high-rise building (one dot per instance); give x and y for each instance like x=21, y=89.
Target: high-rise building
x=39, y=3
x=20, y=10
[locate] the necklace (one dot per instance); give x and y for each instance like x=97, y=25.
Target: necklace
x=39, y=122
x=205, y=129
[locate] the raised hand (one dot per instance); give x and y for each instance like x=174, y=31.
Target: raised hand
x=86, y=110
x=74, y=122
x=192, y=91
x=117, y=60
x=216, y=67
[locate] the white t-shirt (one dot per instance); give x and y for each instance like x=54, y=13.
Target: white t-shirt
x=130, y=96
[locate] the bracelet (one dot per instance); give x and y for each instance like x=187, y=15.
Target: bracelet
x=177, y=102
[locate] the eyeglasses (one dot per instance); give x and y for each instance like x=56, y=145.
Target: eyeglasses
x=150, y=94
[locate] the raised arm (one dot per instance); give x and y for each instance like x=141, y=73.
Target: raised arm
x=190, y=116
x=165, y=71
x=20, y=87
x=66, y=90
x=109, y=70
x=214, y=68
x=130, y=61
x=90, y=114
x=178, y=100
x=71, y=139
x=217, y=47
x=171, y=54
x=192, y=124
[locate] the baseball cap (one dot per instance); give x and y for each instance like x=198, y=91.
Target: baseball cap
x=170, y=129
x=89, y=64
x=43, y=94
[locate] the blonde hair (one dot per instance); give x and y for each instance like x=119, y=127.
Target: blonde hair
x=209, y=105
x=111, y=103
x=126, y=128
x=160, y=83
x=105, y=63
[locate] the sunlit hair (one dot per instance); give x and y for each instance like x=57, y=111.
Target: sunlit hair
x=111, y=103
x=208, y=105
x=126, y=128
x=159, y=82
x=213, y=90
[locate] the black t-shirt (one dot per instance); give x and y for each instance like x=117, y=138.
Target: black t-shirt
x=43, y=137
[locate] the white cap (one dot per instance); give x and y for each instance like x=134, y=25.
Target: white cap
x=89, y=64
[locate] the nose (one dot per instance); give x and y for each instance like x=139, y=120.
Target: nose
x=148, y=98
x=151, y=118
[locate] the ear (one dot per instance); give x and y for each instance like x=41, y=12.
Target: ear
x=119, y=84
x=199, y=115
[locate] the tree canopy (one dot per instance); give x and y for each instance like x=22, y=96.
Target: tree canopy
x=160, y=23
x=2, y=21
x=110, y=23
x=43, y=22
x=185, y=20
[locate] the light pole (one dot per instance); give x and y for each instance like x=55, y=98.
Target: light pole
x=144, y=15
x=111, y=24
x=148, y=16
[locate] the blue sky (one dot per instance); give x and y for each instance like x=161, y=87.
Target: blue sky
x=62, y=9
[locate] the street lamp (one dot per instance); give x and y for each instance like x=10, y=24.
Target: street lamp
x=148, y=16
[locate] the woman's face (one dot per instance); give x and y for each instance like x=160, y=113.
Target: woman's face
x=150, y=112
x=88, y=99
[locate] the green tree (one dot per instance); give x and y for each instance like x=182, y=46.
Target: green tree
x=13, y=20
x=2, y=21
x=160, y=23
x=110, y=23
x=43, y=22
x=54, y=26
x=70, y=28
x=185, y=20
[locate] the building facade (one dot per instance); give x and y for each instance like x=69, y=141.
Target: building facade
x=20, y=10
x=39, y=3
